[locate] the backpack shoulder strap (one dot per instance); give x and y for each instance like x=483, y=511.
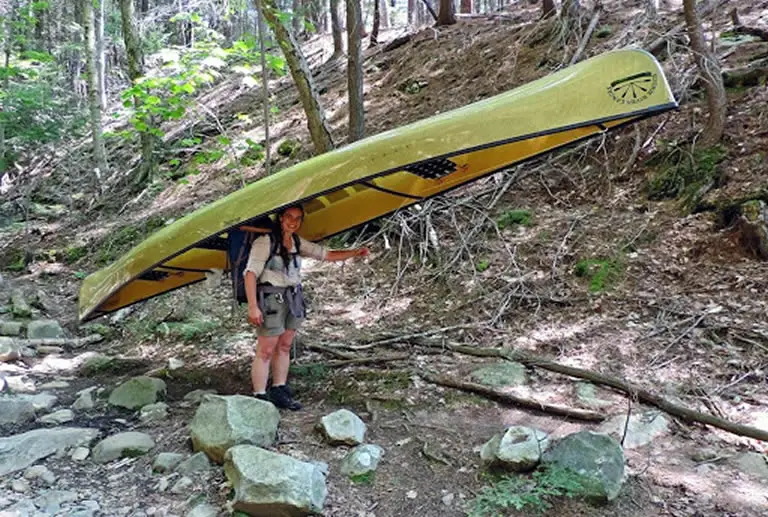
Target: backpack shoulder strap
x=297, y=243
x=273, y=244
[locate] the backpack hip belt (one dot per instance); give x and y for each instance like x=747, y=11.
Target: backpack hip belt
x=293, y=295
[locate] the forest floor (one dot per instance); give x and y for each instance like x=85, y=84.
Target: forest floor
x=679, y=307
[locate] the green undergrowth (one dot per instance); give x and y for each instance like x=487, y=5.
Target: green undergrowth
x=685, y=175
x=601, y=273
x=514, y=217
x=121, y=240
x=536, y=492
x=363, y=479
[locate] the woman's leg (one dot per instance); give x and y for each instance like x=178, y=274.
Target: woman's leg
x=281, y=360
x=265, y=349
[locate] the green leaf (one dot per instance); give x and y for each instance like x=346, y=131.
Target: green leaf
x=223, y=140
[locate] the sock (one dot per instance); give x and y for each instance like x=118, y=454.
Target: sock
x=257, y=393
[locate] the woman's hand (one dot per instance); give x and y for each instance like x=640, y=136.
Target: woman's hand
x=254, y=316
x=362, y=252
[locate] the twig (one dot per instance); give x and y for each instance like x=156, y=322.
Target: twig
x=366, y=360
x=509, y=398
x=626, y=422
x=409, y=337
x=563, y=243
x=642, y=395
x=329, y=350
x=587, y=35
x=678, y=338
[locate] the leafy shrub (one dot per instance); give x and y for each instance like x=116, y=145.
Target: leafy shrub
x=513, y=217
x=686, y=176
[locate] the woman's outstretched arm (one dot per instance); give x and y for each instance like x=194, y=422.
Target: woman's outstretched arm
x=339, y=255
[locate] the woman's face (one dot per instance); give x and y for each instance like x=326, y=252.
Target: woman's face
x=291, y=220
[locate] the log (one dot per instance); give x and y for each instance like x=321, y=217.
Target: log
x=636, y=392
x=752, y=31
x=753, y=75
x=509, y=398
x=397, y=42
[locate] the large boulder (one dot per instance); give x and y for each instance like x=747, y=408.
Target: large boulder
x=221, y=422
x=22, y=450
x=19, y=305
x=361, y=460
x=9, y=350
x=343, y=427
x=505, y=373
x=16, y=410
x=596, y=458
x=11, y=328
x=130, y=443
x=518, y=449
x=641, y=429
x=268, y=484
x=137, y=392
x=44, y=329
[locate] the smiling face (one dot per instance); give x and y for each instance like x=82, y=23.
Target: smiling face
x=290, y=220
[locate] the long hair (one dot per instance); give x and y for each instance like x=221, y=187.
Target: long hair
x=278, y=231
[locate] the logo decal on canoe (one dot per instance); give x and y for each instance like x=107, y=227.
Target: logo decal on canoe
x=432, y=169
x=633, y=89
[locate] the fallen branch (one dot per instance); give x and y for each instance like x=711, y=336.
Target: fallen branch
x=364, y=360
x=752, y=31
x=509, y=398
x=71, y=342
x=397, y=42
x=587, y=35
x=329, y=350
x=642, y=395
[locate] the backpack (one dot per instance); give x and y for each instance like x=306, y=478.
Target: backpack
x=239, y=244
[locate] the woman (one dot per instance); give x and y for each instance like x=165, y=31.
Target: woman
x=275, y=301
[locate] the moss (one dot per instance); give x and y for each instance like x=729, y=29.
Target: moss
x=603, y=32
x=513, y=217
x=602, y=273
x=288, y=148
x=482, y=265
x=686, y=176
x=388, y=379
x=310, y=373
x=74, y=253
x=364, y=479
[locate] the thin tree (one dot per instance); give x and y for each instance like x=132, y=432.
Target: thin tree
x=296, y=17
x=265, y=92
x=710, y=71
x=465, y=6
x=355, y=70
x=376, y=23
x=101, y=63
x=548, y=8
x=135, y=71
x=302, y=77
x=99, y=153
x=446, y=14
x=338, y=44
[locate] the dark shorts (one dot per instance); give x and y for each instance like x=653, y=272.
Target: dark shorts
x=277, y=316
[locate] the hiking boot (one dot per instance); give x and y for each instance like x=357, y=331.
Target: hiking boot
x=262, y=396
x=282, y=397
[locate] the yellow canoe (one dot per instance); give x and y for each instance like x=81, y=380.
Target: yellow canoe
x=381, y=174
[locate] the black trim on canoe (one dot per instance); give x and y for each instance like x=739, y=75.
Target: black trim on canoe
x=635, y=116
x=388, y=191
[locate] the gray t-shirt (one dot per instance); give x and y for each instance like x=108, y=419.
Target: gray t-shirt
x=275, y=271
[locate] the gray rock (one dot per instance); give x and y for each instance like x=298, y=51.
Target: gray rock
x=137, y=392
x=50, y=502
x=24, y=508
x=343, y=427
x=196, y=396
x=44, y=329
x=222, y=422
x=11, y=328
x=175, y=364
x=586, y=393
x=19, y=384
x=166, y=461
x=22, y=450
x=61, y=416
x=130, y=443
x=641, y=429
x=182, y=486
x=505, y=373
x=15, y=410
x=20, y=485
x=42, y=401
x=163, y=484
x=80, y=453
x=268, y=484
x=518, y=448
x=54, y=385
x=9, y=350
x=19, y=305
x=84, y=401
x=753, y=463
x=361, y=460
x=40, y=472
x=203, y=510
x=156, y=412
x=198, y=462
x=596, y=458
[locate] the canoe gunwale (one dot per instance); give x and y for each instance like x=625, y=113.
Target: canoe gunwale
x=634, y=116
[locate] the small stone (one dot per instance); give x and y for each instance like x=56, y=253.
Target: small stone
x=19, y=306
x=506, y=373
x=203, y=510
x=54, y=385
x=61, y=416
x=35, y=471
x=9, y=350
x=11, y=328
x=448, y=499
x=198, y=462
x=753, y=463
x=137, y=392
x=343, y=427
x=162, y=485
x=175, y=364
x=130, y=443
x=641, y=429
x=80, y=453
x=84, y=401
x=412, y=494
x=182, y=486
x=361, y=460
x=49, y=350
x=44, y=329
x=20, y=485
x=20, y=384
x=196, y=396
x=166, y=461
x=156, y=412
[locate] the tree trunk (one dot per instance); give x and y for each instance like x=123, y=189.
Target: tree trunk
x=296, y=18
x=302, y=76
x=429, y=8
x=355, y=70
x=135, y=71
x=99, y=153
x=709, y=68
x=384, y=15
x=446, y=15
x=265, y=92
x=376, y=23
x=100, y=57
x=144, y=7
x=5, y=33
x=338, y=43
x=465, y=6
x=411, y=11
x=548, y=8
x=571, y=13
